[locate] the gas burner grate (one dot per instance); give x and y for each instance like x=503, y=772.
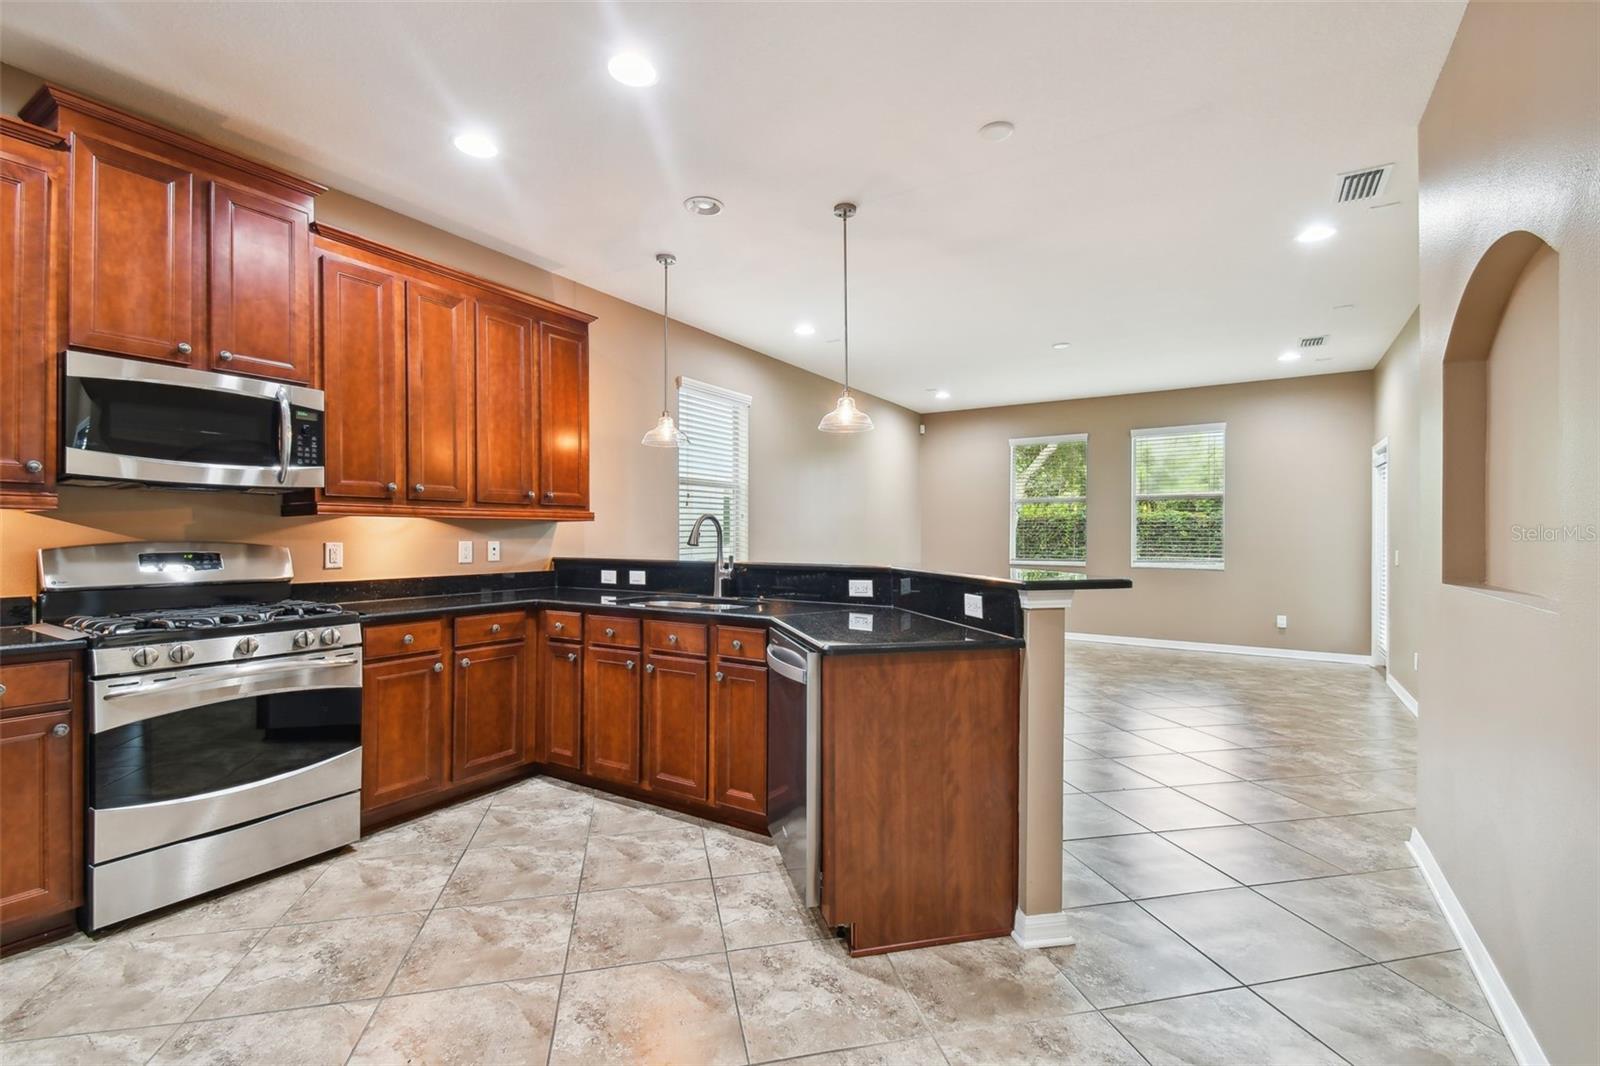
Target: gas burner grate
x=224, y=616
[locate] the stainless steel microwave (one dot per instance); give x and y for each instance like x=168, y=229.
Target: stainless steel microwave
x=123, y=420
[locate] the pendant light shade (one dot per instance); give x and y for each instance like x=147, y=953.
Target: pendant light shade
x=665, y=433
x=845, y=417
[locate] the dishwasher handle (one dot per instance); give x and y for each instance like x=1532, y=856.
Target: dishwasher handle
x=787, y=663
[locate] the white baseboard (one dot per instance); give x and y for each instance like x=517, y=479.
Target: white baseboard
x=1053, y=930
x=1524, y=1045
x=1401, y=692
x=1226, y=649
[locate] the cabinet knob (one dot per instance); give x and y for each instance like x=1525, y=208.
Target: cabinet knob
x=417, y=488
x=390, y=487
x=572, y=656
x=60, y=729
x=649, y=668
x=672, y=638
x=438, y=668
x=33, y=466
x=408, y=639
x=737, y=644
x=549, y=495
x=465, y=663
x=225, y=355
x=531, y=494
x=630, y=664
x=184, y=347
x=719, y=675
x=494, y=627
x=560, y=626
x=610, y=632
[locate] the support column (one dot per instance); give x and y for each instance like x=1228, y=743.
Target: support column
x=1040, y=921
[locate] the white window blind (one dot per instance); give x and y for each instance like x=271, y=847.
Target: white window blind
x=1049, y=504
x=1178, y=476
x=713, y=467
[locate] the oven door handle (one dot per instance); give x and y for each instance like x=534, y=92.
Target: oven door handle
x=116, y=703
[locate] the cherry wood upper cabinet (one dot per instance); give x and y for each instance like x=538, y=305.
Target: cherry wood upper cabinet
x=132, y=253
x=260, y=281
x=363, y=376
x=563, y=416
x=439, y=398
x=491, y=695
x=32, y=198
x=405, y=729
x=507, y=405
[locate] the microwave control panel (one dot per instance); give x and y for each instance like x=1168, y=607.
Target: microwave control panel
x=307, y=447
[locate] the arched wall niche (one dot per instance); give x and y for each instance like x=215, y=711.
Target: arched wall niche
x=1501, y=431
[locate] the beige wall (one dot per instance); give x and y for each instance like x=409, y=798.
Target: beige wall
x=1509, y=775
x=813, y=496
x=1297, y=534
x=1395, y=420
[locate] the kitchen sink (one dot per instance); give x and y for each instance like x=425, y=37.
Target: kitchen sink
x=689, y=605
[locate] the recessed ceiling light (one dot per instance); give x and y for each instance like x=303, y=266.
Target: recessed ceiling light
x=703, y=205
x=941, y=394
x=996, y=131
x=477, y=144
x=1290, y=356
x=1059, y=345
x=804, y=329
x=1317, y=231
x=633, y=69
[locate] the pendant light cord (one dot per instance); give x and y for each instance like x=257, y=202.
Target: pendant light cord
x=844, y=222
x=665, y=319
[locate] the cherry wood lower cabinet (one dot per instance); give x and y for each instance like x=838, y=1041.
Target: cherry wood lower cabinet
x=611, y=750
x=41, y=797
x=560, y=740
x=739, y=736
x=676, y=726
x=405, y=729
x=490, y=700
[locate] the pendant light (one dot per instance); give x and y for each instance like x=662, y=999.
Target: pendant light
x=664, y=434
x=845, y=417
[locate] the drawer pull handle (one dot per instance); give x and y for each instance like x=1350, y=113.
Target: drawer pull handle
x=417, y=488
x=33, y=466
x=390, y=487
x=649, y=668
x=184, y=347
x=465, y=663
x=560, y=626
x=610, y=632
x=60, y=729
x=719, y=675
x=438, y=668
x=408, y=639
x=225, y=355
x=572, y=656
x=494, y=628
x=630, y=664
x=672, y=638
x=737, y=645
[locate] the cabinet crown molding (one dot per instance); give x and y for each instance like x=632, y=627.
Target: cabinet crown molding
x=19, y=130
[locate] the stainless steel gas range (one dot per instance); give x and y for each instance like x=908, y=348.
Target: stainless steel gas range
x=225, y=719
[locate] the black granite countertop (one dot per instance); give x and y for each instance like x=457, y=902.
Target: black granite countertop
x=14, y=639
x=1084, y=582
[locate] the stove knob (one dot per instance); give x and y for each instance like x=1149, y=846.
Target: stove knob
x=181, y=653
x=246, y=646
x=331, y=636
x=304, y=639
x=146, y=656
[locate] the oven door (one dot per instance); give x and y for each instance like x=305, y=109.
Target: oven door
x=178, y=755
x=125, y=420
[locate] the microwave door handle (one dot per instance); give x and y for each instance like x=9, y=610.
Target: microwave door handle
x=285, y=433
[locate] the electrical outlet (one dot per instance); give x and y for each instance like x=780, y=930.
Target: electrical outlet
x=333, y=555
x=635, y=577
x=493, y=552
x=861, y=587
x=463, y=551
x=861, y=622
x=972, y=604
x=608, y=577
x=1283, y=621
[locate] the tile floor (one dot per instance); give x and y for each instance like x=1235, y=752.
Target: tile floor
x=1235, y=858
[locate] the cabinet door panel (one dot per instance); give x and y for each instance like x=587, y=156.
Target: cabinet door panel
x=561, y=675
x=363, y=374
x=27, y=344
x=260, y=283
x=677, y=752
x=438, y=393
x=611, y=714
x=491, y=693
x=508, y=409
x=563, y=417
x=132, y=253
x=405, y=717
x=39, y=826
x=739, y=737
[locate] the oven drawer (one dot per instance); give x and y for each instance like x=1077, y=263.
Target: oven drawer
x=489, y=628
x=675, y=638
x=36, y=684
x=417, y=637
x=611, y=629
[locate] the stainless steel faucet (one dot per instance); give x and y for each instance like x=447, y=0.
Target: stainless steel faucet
x=724, y=567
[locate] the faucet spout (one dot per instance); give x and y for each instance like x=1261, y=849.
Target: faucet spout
x=723, y=568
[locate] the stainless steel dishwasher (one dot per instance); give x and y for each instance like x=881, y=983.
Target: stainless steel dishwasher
x=794, y=743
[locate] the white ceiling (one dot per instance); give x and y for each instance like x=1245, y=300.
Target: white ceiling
x=1164, y=157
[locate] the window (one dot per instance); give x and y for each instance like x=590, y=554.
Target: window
x=713, y=467
x=1049, y=486
x=1177, y=497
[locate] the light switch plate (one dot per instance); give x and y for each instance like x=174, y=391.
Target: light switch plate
x=635, y=577
x=493, y=552
x=608, y=577
x=463, y=551
x=1283, y=621
x=862, y=622
x=972, y=603
x=861, y=587
x=333, y=555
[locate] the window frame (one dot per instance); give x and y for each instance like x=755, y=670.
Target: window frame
x=1016, y=564
x=1135, y=496
x=735, y=542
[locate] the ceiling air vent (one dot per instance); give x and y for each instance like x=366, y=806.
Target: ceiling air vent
x=1313, y=342
x=1359, y=185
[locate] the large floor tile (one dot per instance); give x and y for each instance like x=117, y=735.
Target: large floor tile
x=127, y=1047
x=1117, y=743
x=24, y=973
x=1448, y=976
x=618, y=818
x=490, y=875
x=985, y=982
x=916, y=1051
x=507, y=941
x=1183, y=739
x=764, y=908
x=442, y=832
x=1085, y=816
x=1249, y=802
x=1221, y=1027
x=1146, y=865
x=1250, y=856
x=1373, y=1016
x=1081, y=1038
x=127, y=984
x=1335, y=794
x=798, y=999
x=1175, y=769
x=1103, y=775
x=507, y=1024
x=1163, y=809
x=1389, y=915
x=253, y=906
x=645, y=923
x=1252, y=938
x=732, y=852
x=1082, y=887
x=308, y=965
x=1357, y=843
x=680, y=1011
x=531, y=826
x=310, y=1036
x=1123, y=955
x=388, y=884
x=677, y=854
